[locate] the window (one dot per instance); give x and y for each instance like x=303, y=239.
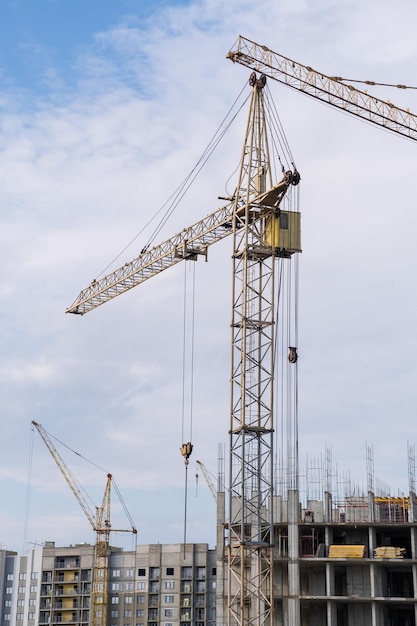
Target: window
x=34, y=576
x=129, y=573
x=213, y=571
x=140, y=599
x=141, y=571
x=22, y=576
x=128, y=599
x=31, y=615
x=20, y=603
x=169, y=599
x=154, y=586
x=141, y=585
x=9, y=590
x=186, y=572
x=201, y=573
x=114, y=614
x=283, y=220
x=21, y=589
x=115, y=600
x=140, y=612
x=169, y=584
x=153, y=573
x=6, y=617
x=7, y=604
x=128, y=613
x=170, y=571
x=19, y=617
x=168, y=624
x=9, y=577
x=115, y=586
x=33, y=588
x=32, y=602
x=128, y=586
x=116, y=573
x=168, y=612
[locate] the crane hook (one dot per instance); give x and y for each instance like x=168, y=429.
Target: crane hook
x=186, y=450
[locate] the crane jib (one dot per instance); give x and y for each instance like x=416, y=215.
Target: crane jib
x=325, y=88
x=187, y=244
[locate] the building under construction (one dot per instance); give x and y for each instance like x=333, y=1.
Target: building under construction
x=343, y=560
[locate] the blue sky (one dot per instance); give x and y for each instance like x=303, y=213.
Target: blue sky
x=52, y=32
x=104, y=109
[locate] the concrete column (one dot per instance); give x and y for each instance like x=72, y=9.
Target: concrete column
x=412, y=512
x=371, y=506
x=294, y=614
x=331, y=605
x=327, y=507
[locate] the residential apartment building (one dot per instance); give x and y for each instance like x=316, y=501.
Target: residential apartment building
x=353, y=562
x=155, y=584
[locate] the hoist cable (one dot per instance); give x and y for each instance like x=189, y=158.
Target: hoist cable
x=192, y=355
x=184, y=351
x=185, y=509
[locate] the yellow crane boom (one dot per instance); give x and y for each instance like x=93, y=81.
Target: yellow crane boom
x=100, y=522
x=329, y=89
x=188, y=244
x=208, y=480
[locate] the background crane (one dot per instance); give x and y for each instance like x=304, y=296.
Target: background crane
x=264, y=235
x=100, y=523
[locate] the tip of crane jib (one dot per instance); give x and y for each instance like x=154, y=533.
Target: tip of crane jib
x=74, y=310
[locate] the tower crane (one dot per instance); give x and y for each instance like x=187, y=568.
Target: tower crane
x=100, y=522
x=208, y=479
x=264, y=234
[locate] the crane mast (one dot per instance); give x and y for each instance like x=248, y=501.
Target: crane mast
x=257, y=244
x=100, y=522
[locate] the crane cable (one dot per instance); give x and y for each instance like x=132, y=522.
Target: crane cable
x=187, y=448
x=370, y=82
x=277, y=132
x=174, y=199
x=81, y=488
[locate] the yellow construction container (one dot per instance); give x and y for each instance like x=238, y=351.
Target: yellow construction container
x=346, y=552
x=283, y=232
